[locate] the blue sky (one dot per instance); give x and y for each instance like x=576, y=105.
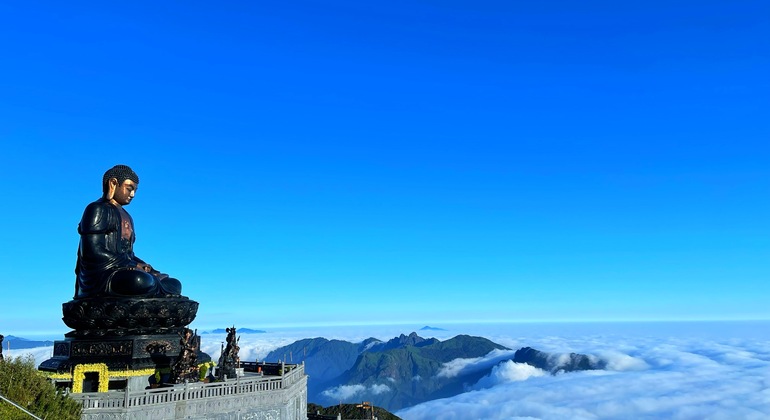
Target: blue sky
x=385, y=162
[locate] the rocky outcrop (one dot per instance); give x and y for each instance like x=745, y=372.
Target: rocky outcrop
x=557, y=362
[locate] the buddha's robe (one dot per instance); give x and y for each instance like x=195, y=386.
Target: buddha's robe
x=106, y=264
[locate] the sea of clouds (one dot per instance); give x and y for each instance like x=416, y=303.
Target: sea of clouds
x=671, y=371
x=693, y=370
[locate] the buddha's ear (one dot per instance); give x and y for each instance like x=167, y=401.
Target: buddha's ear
x=112, y=185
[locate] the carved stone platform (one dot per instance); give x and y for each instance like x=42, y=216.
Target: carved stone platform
x=123, y=333
x=113, y=316
x=118, y=353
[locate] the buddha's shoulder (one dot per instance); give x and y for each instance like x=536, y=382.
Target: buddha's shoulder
x=98, y=211
x=100, y=205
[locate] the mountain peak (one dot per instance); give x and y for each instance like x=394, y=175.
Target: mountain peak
x=429, y=328
x=402, y=341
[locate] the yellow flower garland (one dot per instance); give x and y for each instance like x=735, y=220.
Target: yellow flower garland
x=130, y=373
x=79, y=374
x=58, y=375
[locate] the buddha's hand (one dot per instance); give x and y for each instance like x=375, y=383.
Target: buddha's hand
x=144, y=267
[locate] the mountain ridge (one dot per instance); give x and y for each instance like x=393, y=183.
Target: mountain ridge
x=23, y=343
x=409, y=369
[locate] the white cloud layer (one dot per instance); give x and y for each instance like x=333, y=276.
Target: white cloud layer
x=39, y=354
x=345, y=392
x=349, y=392
x=379, y=389
x=622, y=362
x=672, y=378
x=660, y=370
x=463, y=366
x=508, y=371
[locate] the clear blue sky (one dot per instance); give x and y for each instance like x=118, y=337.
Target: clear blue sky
x=397, y=161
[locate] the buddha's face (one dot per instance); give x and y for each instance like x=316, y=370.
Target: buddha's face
x=124, y=192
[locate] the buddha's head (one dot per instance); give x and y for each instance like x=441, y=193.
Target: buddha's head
x=119, y=183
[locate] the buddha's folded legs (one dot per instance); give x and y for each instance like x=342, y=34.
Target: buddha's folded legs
x=132, y=282
x=171, y=286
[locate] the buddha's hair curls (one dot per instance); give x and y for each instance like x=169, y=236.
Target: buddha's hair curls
x=121, y=173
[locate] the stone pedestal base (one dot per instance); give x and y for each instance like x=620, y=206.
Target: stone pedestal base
x=123, y=333
x=118, y=353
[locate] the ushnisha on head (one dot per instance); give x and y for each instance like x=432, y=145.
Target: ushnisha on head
x=119, y=184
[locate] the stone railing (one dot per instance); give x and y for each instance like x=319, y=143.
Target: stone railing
x=191, y=391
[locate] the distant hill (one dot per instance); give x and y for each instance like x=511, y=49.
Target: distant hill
x=238, y=331
x=556, y=363
x=408, y=375
x=408, y=369
x=324, y=359
x=407, y=364
x=23, y=343
x=429, y=328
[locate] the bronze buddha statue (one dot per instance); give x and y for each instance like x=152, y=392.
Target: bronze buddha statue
x=124, y=313
x=106, y=264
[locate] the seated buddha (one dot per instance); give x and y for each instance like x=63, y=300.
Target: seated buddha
x=106, y=264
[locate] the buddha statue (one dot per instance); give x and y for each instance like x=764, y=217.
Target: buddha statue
x=106, y=264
